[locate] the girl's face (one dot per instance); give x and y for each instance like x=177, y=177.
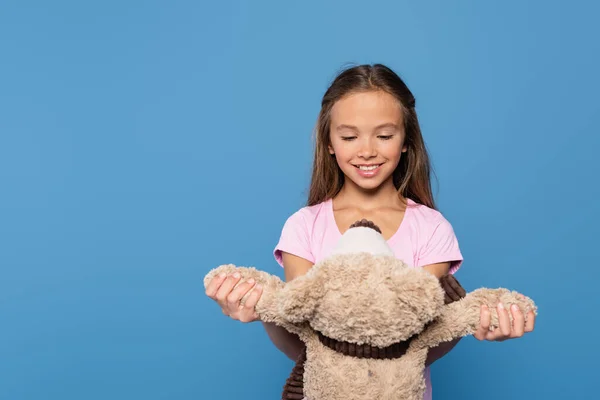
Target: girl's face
x=367, y=137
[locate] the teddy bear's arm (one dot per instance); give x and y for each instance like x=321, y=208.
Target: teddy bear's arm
x=267, y=307
x=462, y=317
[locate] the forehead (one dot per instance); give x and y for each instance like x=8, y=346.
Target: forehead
x=366, y=109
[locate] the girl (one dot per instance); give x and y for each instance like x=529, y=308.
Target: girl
x=370, y=162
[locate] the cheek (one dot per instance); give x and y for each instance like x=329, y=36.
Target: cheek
x=392, y=150
x=342, y=157
x=334, y=146
x=340, y=148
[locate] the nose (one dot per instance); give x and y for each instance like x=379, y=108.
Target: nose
x=367, y=149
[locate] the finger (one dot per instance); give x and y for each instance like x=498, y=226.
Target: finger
x=226, y=287
x=253, y=297
x=492, y=335
x=484, y=324
x=530, y=323
x=248, y=311
x=503, y=320
x=495, y=336
x=253, y=301
x=215, y=284
x=234, y=297
x=518, y=321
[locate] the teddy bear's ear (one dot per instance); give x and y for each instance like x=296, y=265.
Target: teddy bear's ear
x=420, y=290
x=299, y=298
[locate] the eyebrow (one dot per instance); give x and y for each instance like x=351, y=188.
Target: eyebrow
x=354, y=128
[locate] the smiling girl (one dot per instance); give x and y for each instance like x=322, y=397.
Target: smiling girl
x=370, y=162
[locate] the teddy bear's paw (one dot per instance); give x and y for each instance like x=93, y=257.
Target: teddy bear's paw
x=268, y=281
x=493, y=298
x=245, y=273
x=227, y=269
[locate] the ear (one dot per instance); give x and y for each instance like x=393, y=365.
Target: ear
x=299, y=298
x=420, y=290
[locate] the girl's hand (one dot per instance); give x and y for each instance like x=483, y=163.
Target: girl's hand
x=505, y=331
x=221, y=289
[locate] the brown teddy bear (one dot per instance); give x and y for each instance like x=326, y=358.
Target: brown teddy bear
x=368, y=319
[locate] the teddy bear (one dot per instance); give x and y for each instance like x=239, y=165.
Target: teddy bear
x=367, y=319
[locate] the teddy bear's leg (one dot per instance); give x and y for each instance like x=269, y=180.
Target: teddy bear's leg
x=462, y=318
x=294, y=386
x=260, y=277
x=267, y=306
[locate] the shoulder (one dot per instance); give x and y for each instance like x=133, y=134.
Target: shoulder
x=297, y=232
x=438, y=242
x=306, y=216
x=426, y=217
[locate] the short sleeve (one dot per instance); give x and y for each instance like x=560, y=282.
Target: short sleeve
x=441, y=246
x=294, y=239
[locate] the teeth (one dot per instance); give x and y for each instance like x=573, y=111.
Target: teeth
x=369, y=168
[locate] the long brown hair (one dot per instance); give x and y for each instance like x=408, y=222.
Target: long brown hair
x=411, y=177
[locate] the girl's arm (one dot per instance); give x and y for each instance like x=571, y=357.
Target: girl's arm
x=287, y=342
x=439, y=269
x=435, y=353
x=507, y=329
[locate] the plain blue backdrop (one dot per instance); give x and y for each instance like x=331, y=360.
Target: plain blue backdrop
x=143, y=143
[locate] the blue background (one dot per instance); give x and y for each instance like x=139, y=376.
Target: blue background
x=143, y=143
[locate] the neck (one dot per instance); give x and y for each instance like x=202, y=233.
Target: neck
x=395, y=350
x=384, y=196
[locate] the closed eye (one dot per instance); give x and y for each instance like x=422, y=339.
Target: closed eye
x=348, y=138
x=386, y=137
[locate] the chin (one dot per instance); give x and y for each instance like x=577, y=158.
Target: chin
x=370, y=187
x=366, y=184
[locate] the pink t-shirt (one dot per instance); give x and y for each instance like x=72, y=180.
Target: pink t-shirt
x=424, y=237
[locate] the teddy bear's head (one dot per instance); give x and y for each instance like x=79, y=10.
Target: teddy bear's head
x=362, y=294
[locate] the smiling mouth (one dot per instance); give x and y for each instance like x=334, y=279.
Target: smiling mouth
x=370, y=167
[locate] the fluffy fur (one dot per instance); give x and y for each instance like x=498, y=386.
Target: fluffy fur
x=375, y=300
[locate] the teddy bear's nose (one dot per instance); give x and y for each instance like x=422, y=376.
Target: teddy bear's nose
x=366, y=223
x=362, y=237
